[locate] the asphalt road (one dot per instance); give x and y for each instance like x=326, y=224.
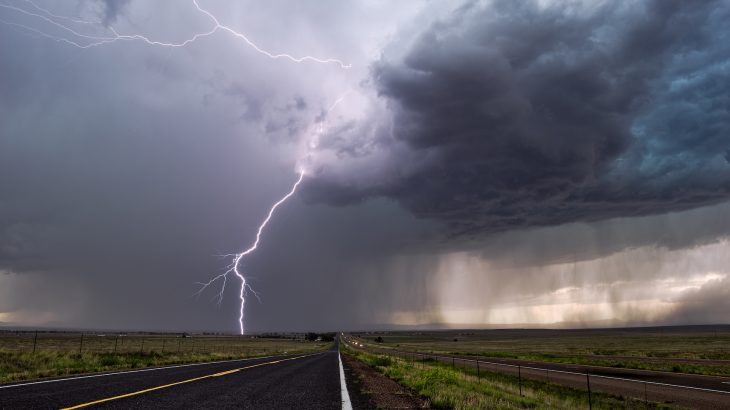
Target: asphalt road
x=300, y=381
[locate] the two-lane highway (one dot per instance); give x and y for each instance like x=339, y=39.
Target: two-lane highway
x=293, y=381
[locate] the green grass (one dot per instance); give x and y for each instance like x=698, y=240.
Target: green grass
x=626, y=363
x=651, y=349
x=460, y=389
x=58, y=354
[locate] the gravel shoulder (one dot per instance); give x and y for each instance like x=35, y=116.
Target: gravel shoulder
x=371, y=390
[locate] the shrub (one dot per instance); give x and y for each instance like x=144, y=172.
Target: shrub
x=382, y=361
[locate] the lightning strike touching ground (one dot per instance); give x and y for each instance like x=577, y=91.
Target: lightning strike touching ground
x=234, y=266
x=80, y=39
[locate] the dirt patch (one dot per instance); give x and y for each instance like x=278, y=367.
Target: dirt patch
x=377, y=391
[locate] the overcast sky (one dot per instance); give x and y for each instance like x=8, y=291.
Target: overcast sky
x=467, y=163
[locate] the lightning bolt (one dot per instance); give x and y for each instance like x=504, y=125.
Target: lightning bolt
x=114, y=36
x=76, y=38
x=234, y=266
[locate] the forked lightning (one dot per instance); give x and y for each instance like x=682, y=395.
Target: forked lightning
x=75, y=37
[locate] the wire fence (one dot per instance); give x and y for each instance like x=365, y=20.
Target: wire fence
x=646, y=390
x=94, y=342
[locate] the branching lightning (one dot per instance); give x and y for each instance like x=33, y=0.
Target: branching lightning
x=114, y=36
x=234, y=266
x=75, y=37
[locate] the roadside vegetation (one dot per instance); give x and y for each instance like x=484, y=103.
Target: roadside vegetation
x=704, y=352
x=460, y=388
x=57, y=355
x=709, y=369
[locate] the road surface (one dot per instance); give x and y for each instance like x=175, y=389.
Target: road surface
x=293, y=381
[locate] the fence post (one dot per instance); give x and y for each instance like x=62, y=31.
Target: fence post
x=116, y=341
x=479, y=379
x=163, y=345
x=35, y=340
x=178, y=344
x=453, y=363
x=519, y=377
x=141, y=346
x=588, y=382
x=81, y=343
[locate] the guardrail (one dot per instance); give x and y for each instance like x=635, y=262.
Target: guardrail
x=691, y=396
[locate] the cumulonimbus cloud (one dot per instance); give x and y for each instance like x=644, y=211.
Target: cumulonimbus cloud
x=111, y=9
x=518, y=114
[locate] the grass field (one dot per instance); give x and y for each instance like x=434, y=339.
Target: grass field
x=697, y=350
x=461, y=389
x=24, y=356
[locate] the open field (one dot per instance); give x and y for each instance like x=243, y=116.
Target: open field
x=27, y=355
x=675, y=389
x=688, y=349
x=463, y=388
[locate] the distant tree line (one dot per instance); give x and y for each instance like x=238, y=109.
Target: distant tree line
x=325, y=337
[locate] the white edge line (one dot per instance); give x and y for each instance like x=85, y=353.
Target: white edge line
x=346, y=404
x=89, y=376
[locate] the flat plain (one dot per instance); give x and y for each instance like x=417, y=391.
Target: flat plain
x=658, y=367
x=26, y=355
x=680, y=349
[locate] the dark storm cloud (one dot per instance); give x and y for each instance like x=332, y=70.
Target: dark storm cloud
x=111, y=9
x=535, y=115
x=586, y=241
x=125, y=168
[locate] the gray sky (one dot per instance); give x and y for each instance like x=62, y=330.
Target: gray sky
x=546, y=163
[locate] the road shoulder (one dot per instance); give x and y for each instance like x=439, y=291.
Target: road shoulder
x=371, y=390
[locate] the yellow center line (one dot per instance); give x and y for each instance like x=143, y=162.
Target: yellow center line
x=78, y=406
